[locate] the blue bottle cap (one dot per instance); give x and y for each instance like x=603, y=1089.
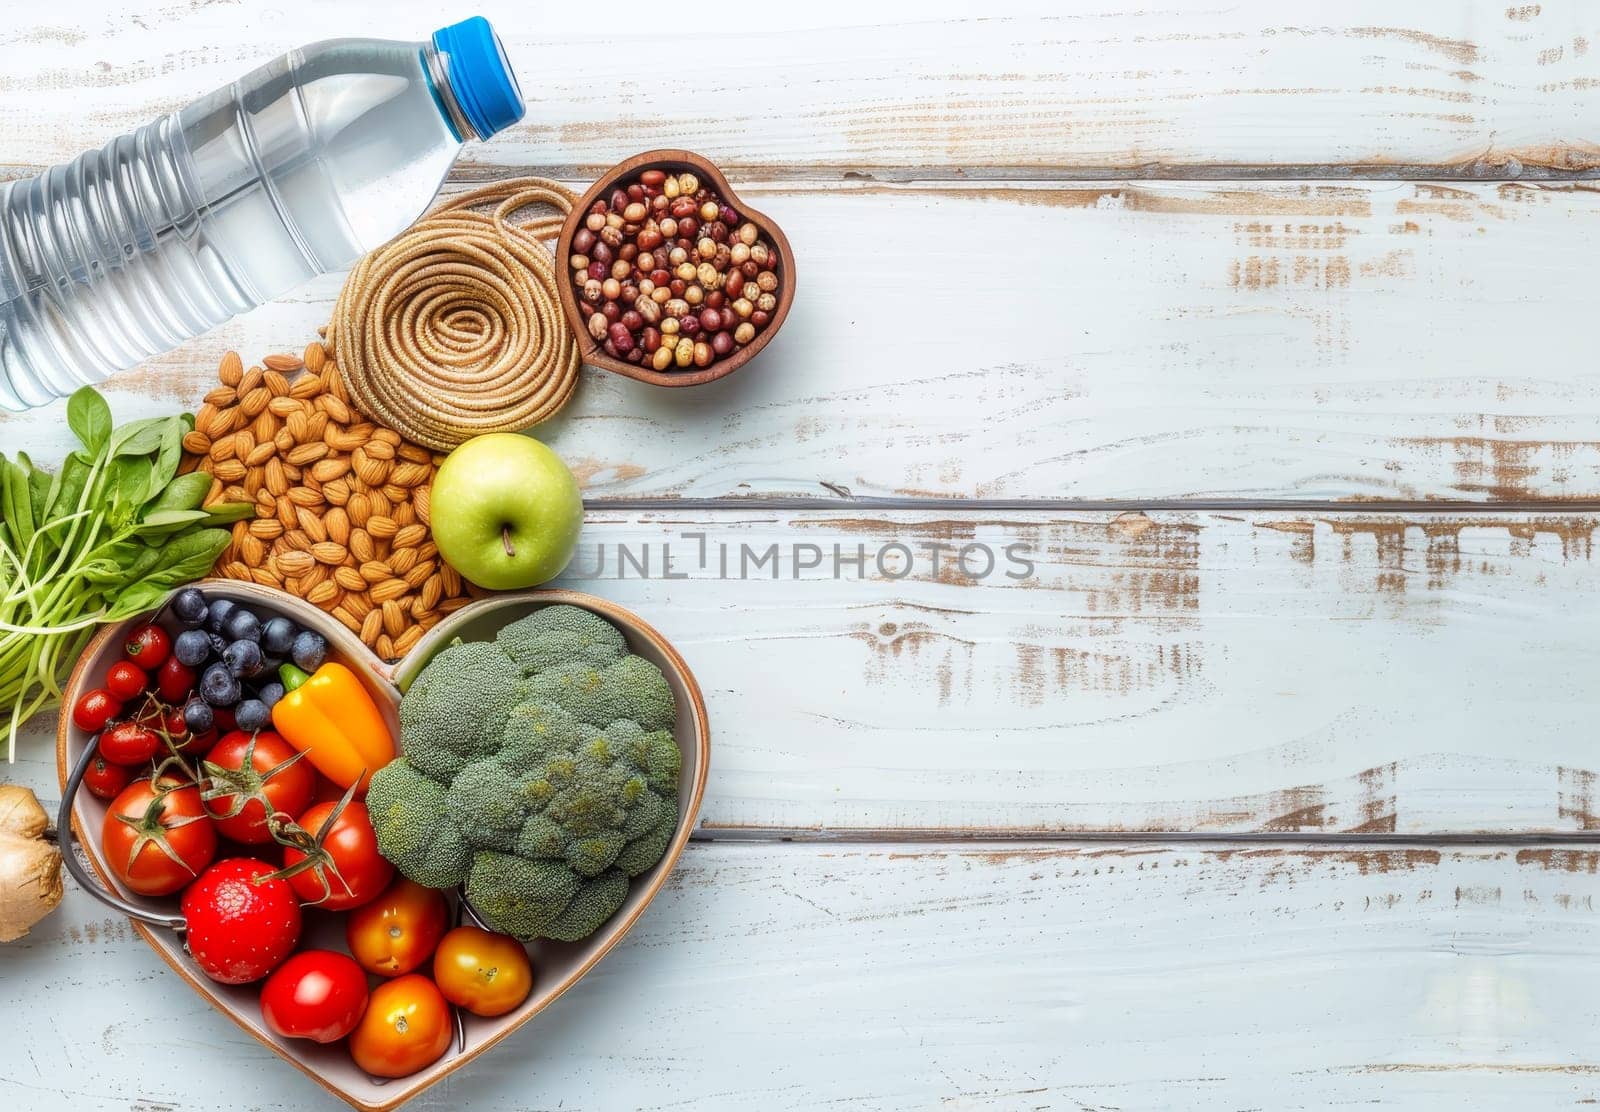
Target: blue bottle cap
x=479, y=75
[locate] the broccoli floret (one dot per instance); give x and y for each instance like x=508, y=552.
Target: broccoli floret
x=410, y=815
x=456, y=710
x=632, y=690
x=561, y=635
x=540, y=769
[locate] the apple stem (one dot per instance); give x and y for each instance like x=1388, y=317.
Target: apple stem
x=505, y=539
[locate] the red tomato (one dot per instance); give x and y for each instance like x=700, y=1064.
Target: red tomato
x=197, y=745
x=148, y=647
x=156, y=837
x=486, y=973
x=242, y=922
x=126, y=680
x=240, y=769
x=398, y=931
x=317, y=994
x=104, y=779
x=407, y=1027
x=174, y=680
x=129, y=743
x=94, y=709
x=350, y=870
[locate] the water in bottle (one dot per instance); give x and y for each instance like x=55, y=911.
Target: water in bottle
x=297, y=169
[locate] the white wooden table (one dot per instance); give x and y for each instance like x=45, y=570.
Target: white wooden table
x=1266, y=330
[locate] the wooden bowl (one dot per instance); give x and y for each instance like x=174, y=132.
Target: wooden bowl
x=557, y=966
x=701, y=166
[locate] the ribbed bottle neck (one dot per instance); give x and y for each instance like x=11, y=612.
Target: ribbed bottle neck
x=438, y=68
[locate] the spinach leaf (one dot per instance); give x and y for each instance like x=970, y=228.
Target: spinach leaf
x=168, y=455
x=163, y=522
x=225, y=513
x=138, y=438
x=186, y=492
x=89, y=418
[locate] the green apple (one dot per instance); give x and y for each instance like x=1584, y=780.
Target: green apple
x=506, y=511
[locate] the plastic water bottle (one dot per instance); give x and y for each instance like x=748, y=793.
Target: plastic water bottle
x=297, y=169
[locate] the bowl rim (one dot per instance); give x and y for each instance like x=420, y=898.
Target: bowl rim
x=589, y=348
x=386, y=673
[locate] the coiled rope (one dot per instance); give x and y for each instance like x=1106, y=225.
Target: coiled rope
x=455, y=328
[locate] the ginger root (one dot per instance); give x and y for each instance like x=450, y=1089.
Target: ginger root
x=30, y=867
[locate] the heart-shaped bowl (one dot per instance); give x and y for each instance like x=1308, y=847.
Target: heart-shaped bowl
x=702, y=167
x=557, y=966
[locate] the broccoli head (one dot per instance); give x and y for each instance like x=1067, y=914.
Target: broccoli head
x=539, y=769
x=561, y=635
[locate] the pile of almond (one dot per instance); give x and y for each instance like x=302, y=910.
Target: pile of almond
x=341, y=503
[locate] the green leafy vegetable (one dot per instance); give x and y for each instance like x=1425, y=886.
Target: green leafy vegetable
x=104, y=538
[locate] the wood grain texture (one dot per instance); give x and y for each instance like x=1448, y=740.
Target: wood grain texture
x=1277, y=672
x=1477, y=87
x=1363, y=340
x=1026, y=976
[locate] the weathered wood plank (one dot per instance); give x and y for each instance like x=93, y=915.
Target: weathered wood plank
x=1169, y=341
x=913, y=977
x=1476, y=87
x=1367, y=673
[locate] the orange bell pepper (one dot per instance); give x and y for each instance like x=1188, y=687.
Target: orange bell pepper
x=330, y=717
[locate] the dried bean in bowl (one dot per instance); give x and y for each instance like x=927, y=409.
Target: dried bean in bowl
x=665, y=253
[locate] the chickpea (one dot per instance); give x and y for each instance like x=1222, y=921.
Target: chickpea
x=748, y=234
x=593, y=291
x=677, y=256
x=649, y=310
x=595, y=221
x=766, y=302
x=739, y=252
x=702, y=354
x=646, y=287
x=743, y=308
x=662, y=359
x=621, y=269
x=613, y=220
x=683, y=353
x=744, y=333
x=670, y=189
x=677, y=308
x=660, y=295
x=766, y=281
x=688, y=183
x=706, y=248
x=669, y=326
x=579, y=262
x=669, y=227
x=611, y=237
x=708, y=276
x=598, y=325
x=635, y=213
x=694, y=294
x=611, y=288
x=709, y=211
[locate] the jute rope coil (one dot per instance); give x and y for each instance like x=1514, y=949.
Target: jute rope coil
x=455, y=327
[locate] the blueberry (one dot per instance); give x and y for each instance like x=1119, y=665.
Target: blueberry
x=197, y=715
x=242, y=625
x=192, y=647
x=189, y=607
x=252, y=715
x=310, y=650
x=218, y=612
x=277, y=636
x=270, y=693
x=243, y=658
x=219, y=687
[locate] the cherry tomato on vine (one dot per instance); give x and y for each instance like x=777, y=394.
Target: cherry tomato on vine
x=486, y=973
x=317, y=994
x=105, y=779
x=399, y=930
x=157, y=836
x=350, y=870
x=407, y=1027
x=130, y=743
x=126, y=680
x=241, y=922
x=240, y=768
x=148, y=647
x=94, y=709
x=174, y=680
